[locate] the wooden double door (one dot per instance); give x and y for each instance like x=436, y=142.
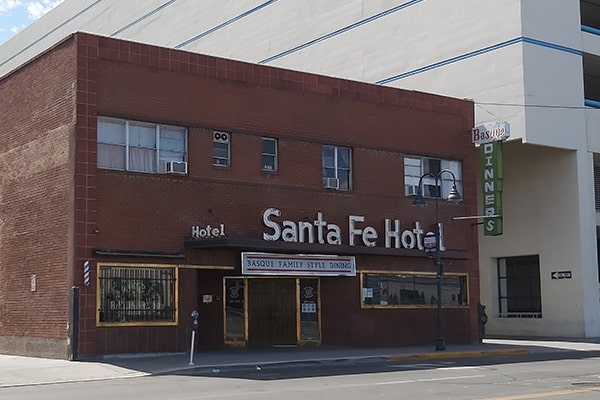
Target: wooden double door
x=272, y=312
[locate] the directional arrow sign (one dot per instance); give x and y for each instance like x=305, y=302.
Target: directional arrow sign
x=561, y=275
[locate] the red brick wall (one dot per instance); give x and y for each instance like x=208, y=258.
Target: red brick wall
x=36, y=139
x=380, y=124
x=147, y=212
x=85, y=187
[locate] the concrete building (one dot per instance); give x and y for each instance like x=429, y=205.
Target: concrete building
x=531, y=63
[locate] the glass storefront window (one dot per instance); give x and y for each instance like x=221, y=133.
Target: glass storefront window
x=411, y=289
x=309, y=310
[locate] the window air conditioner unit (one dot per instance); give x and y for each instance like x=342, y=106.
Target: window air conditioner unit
x=175, y=167
x=221, y=137
x=331, y=183
x=412, y=190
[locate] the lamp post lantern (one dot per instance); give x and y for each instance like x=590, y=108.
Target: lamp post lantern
x=453, y=195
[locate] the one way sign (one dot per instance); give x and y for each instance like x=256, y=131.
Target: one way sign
x=561, y=275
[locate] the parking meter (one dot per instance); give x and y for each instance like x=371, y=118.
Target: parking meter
x=195, y=315
x=483, y=318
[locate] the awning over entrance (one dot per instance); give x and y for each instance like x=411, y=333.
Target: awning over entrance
x=312, y=248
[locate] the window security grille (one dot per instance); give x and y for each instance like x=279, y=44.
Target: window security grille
x=137, y=294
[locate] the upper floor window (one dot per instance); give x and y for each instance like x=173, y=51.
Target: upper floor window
x=221, y=149
x=269, y=154
x=337, y=167
x=415, y=167
x=139, y=146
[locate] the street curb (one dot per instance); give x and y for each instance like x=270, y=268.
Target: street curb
x=216, y=368
x=460, y=354
x=271, y=364
x=54, y=381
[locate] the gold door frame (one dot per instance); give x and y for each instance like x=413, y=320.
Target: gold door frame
x=245, y=279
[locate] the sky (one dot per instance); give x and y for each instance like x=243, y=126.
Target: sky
x=17, y=14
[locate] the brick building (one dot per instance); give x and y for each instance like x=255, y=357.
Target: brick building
x=141, y=183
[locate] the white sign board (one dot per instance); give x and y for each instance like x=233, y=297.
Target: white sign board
x=490, y=131
x=561, y=275
x=297, y=264
x=309, y=308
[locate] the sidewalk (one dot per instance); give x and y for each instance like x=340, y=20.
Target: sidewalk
x=24, y=371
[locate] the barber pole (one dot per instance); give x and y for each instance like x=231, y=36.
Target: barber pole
x=86, y=273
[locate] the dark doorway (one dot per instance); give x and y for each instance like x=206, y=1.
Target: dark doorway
x=272, y=311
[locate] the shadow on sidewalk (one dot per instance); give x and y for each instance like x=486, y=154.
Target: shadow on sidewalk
x=299, y=362
x=371, y=365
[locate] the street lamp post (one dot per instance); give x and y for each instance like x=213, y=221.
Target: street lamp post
x=453, y=195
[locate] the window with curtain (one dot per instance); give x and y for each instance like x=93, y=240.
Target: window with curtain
x=337, y=167
x=111, y=144
x=139, y=146
x=142, y=147
x=415, y=167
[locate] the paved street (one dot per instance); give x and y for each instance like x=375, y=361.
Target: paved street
x=497, y=378
x=493, y=370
